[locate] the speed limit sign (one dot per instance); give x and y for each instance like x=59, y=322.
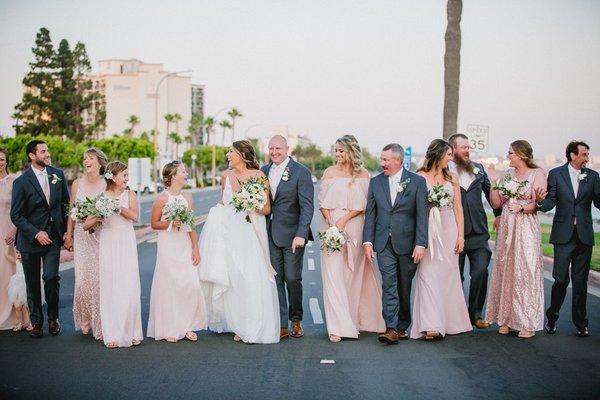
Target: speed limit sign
x=478, y=137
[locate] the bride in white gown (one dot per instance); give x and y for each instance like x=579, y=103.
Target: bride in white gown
x=235, y=270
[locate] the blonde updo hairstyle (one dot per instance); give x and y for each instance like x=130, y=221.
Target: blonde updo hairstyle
x=114, y=168
x=524, y=151
x=169, y=171
x=100, y=156
x=353, y=152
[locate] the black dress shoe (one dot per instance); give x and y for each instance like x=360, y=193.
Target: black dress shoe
x=550, y=327
x=36, y=332
x=54, y=327
x=583, y=332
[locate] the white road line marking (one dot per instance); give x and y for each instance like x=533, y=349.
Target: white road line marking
x=311, y=264
x=309, y=244
x=311, y=252
x=327, y=361
x=315, y=311
x=313, y=283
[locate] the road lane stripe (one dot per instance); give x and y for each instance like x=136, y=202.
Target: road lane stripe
x=311, y=264
x=315, y=311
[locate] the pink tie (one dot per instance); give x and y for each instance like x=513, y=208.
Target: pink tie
x=45, y=186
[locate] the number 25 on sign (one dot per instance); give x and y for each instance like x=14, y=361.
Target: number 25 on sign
x=478, y=137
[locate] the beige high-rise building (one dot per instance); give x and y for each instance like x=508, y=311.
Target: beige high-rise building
x=130, y=88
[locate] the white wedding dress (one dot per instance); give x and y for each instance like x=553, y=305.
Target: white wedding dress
x=236, y=274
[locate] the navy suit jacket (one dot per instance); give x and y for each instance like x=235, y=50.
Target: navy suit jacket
x=572, y=206
x=405, y=221
x=31, y=213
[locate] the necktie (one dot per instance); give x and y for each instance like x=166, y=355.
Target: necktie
x=45, y=186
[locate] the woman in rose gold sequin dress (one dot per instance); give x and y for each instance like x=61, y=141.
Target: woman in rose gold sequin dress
x=516, y=295
x=86, y=299
x=8, y=318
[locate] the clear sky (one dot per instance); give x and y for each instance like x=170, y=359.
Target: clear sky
x=530, y=69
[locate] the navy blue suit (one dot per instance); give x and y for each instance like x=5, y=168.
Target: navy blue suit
x=573, y=238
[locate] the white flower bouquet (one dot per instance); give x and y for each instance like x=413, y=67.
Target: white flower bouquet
x=332, y=240
x=438, y=196
x=106, y=206
x=177, y=210
x=251, y=197
x=83, y=209
x=510, y=188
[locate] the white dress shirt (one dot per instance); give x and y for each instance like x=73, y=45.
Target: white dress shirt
x=465, y=178
x=574, y=175
x=394, y=180
x=275, y=174
x=42, y=177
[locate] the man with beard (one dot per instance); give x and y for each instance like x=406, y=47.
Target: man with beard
x=39, y=211
x=473, y=181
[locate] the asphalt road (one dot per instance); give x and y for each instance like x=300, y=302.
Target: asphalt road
x=481, y=364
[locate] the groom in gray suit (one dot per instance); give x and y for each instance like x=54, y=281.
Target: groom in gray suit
x=572, y=188
x=395, y=228
x=288, y=225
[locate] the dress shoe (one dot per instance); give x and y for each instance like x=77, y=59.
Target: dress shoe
x=389, y=337
x=481, y=324
x=283, y=333
x=36, y=332
x=53, y=327
x=550, y=327
x=297, y=330
x=402, y=335
x=583, y=332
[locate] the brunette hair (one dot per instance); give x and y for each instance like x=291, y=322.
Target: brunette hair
x=523, y=150
x=32, y=147
x=572, y=147
x=435, y=152
x=5, y=152
x=352, y=148
x=246, y=151
x=169, y=171
x=102, y=159
x=113, y=167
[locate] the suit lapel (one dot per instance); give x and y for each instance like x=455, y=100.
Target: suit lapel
x=580, y=185
x=385, y=186
x=478, y=178
x=290, y=167
x=399, y=195
x=36, y=184
x=564, y=171
x=53, y=187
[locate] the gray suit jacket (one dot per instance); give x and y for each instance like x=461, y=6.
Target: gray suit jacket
x=292, y=208
x=571, y=206
x=405, y=221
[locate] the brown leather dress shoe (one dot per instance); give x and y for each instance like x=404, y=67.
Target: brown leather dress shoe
x=402, y=335
x=389, y=337
x=54, y=327
x=36, y=332
x=297, y=330
x=481, y=324
x=283, y=333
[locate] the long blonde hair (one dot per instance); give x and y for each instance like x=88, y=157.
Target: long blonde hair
x=524, y=151
x=352, y=148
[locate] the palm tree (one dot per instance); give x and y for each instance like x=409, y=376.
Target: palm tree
x=177, y=140
x=233, y=114
x=225, y=125
x=209, y=124
x=169, y=118
x=452, y=67
x=195, y=129
x=133, y=120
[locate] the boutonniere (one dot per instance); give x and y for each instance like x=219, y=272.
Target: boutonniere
x=400, y=186
x=476, y=171
x=581, y=176
x=55, y=179
x=286, y=174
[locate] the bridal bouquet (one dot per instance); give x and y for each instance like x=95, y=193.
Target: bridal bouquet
x=106, y=206
x=251, y=197
x=83, y=209
x=438, y=196
x=178, y=210
x=332, y=240
x=510, y=188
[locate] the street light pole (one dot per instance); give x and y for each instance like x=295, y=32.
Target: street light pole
x=155, y=131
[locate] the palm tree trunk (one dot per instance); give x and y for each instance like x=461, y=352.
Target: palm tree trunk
x=452, y=67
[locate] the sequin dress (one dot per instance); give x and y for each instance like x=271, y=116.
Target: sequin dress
x=7, y=267
x=516, y=295
x=86, y=299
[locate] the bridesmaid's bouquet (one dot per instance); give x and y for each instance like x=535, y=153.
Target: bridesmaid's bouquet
x=106, y=206
x=177, y=210
x=251, y=197
x=332, y=240
x=83, y=209
x=511, y=188
x=438, y=196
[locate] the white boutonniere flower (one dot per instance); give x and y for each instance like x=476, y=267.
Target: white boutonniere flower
x=401, y=185
x=55, y=179
x=476, y=171
x=286, y=174
x=581, y=176
x=108, y=175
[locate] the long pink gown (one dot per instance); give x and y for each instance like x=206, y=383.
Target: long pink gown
x=439, y=303
x=86, y=299
x=351, y=290
x=8, y=318
x=120, y=308
x=176, y=300
x=516, y=295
